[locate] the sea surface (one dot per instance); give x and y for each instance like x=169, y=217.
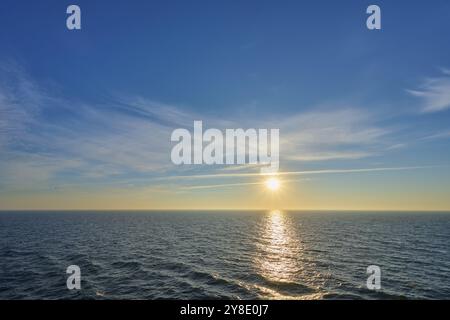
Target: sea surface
x=224, y=255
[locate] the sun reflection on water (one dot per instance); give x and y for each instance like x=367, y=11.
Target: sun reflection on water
x=280, y=260
x=279, y=248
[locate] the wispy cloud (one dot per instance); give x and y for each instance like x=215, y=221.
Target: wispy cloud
x=445, y=71
x=19, y=100
x=438, y=135
x=129, y=137
x=435, y=92
x=346, y=133
x=44, y=137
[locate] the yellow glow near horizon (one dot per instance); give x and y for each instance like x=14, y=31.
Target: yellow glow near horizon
x=272, y=184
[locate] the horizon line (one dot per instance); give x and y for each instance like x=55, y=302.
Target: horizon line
x=224, y=209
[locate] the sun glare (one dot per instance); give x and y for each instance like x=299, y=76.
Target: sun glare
x=273, y=184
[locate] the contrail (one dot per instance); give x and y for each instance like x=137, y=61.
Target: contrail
x=289, y=173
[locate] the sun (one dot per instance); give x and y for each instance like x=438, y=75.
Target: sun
x=272, y=184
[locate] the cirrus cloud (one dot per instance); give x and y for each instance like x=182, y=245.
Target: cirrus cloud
x=434, y=92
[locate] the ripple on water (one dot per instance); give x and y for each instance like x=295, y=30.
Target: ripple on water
x=278, y=255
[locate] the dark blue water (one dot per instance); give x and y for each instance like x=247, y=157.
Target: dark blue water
x=242, y=255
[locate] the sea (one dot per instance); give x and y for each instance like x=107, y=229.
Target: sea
x=225, y=254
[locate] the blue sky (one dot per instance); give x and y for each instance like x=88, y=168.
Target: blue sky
x=93, y=109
